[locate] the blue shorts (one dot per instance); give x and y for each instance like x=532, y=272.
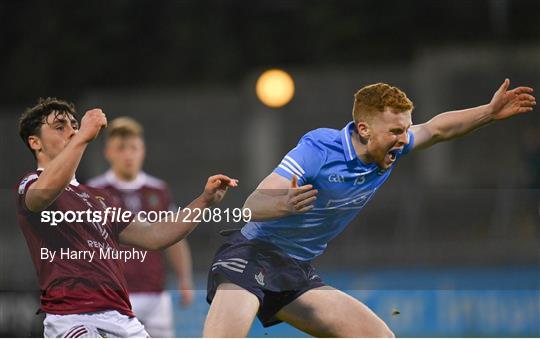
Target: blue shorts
x=264, y=270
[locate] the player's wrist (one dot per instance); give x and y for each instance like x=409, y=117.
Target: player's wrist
x=204, y=200
x=489, y=112
x=80, y=140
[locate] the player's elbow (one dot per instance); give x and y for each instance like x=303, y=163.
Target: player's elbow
x=255, y=213
x=249, y=201
x=388, y=334
x=250, y=204
x=37, y=200
x=381, y=331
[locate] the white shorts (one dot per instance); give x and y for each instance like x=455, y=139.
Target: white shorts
x=93, y=325
x=155, y=311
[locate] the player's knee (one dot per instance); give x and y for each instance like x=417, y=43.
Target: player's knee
x=380, y=330
x=384, y=332
x=388, y=334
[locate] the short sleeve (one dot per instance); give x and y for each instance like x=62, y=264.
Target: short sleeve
x=22, y=188
x=304, y=161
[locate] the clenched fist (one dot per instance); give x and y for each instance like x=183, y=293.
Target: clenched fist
x=92, y=122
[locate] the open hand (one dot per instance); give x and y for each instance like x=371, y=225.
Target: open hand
x=507, y=103
x=216, y=187
x=300, y=199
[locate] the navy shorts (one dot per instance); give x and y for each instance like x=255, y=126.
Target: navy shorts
x=264, y=270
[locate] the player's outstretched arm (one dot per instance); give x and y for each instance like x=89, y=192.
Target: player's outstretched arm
x=450, y=125
x=60, y=171
x=277, y=197
x=162, y=234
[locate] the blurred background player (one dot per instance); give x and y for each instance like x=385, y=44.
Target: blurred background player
x=265, y=269
x=136, y=191
x=81, y=297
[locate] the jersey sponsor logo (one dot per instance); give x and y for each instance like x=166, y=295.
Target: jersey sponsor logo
x=259, y=278
x=356, y=202
x=232, y=264
x=336, y=178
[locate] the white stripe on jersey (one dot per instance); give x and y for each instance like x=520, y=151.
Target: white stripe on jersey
x=347, y=136
x=25, y=182
x=291, y=167
x=286, y=169
x=298, y=167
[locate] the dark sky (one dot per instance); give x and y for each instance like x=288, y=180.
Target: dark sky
x=64, y=47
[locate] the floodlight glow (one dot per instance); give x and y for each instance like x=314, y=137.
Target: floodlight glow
x=275, y=88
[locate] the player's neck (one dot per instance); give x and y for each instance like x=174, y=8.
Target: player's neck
x=360, y=148
x=41, y=164
x=122, y=176
x=42, y=161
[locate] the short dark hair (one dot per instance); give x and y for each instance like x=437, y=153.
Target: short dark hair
x=32, y=118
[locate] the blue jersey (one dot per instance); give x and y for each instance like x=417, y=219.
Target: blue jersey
x=326, y=159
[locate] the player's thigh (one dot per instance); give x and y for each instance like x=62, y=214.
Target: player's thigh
x=231, y=313
x=159, y=316
x=328, y=312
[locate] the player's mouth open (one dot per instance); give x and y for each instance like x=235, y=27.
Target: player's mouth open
x=392, y=154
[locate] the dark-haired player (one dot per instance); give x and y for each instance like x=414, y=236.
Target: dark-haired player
x=265, y=269
x=137, y=191
x=84, y=297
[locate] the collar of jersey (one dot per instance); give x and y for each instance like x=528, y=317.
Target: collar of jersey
x=73, y=181
x=118, y=183
x=346, y=141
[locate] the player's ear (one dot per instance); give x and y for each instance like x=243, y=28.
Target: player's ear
x=363, y=129
x=35, y=143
